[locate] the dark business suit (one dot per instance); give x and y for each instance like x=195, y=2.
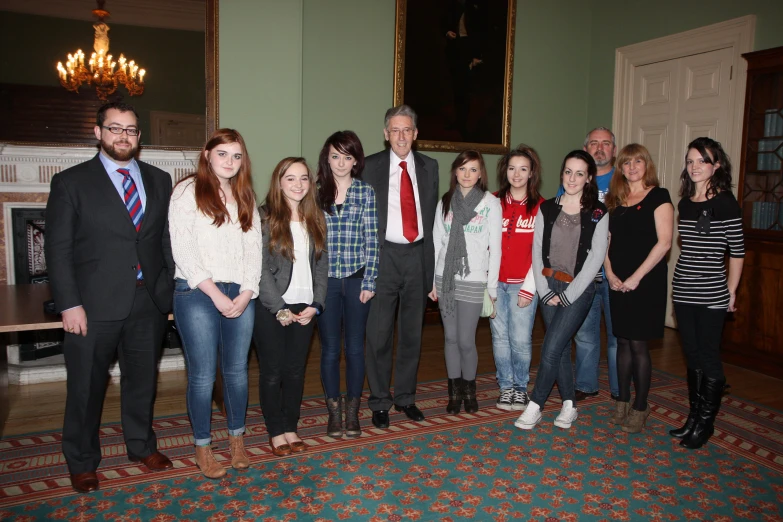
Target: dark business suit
x=92, y=249
x=405, y=278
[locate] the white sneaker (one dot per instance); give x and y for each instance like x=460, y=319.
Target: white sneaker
x=506, y=399
x=568, y=415
x=531, y=417
x=520, y=401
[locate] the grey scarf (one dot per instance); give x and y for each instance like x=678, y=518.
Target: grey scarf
x=456, y=262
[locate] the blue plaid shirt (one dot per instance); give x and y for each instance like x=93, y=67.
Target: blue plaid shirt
x=352, y=235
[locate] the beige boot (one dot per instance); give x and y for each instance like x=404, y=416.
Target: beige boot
x=620, y=412
x=635, y=420
x=236, y=446
x=207, y=463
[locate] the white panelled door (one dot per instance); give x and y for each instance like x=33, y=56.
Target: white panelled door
x=674, y=102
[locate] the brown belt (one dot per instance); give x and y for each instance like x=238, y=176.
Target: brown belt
x=560, y=276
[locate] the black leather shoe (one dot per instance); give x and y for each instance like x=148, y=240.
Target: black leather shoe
x=411, y=411
x=380, y=418
x=580, y=395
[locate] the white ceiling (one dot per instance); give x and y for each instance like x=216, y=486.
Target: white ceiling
x=186, y=15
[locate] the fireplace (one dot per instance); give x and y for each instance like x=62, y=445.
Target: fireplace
x=28, y=226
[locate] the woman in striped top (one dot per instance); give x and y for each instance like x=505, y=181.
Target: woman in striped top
x=349, y=206
x=710, y=224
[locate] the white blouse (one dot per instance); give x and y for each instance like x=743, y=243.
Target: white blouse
x=300, y=290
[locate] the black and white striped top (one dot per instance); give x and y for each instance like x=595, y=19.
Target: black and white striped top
x=700, y=274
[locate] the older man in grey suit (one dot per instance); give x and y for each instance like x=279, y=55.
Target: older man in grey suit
x=406, y=189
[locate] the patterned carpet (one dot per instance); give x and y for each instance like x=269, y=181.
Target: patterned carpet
x=466, y=467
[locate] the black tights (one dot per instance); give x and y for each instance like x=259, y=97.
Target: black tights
x=633, y=361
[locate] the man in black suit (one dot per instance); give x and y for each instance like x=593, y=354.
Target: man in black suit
x=406, y=189
x=111, y=272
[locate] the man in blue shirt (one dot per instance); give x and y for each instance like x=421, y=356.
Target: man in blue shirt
x=600, y=144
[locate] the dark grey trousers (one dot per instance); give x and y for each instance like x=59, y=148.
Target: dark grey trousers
x=400, y=291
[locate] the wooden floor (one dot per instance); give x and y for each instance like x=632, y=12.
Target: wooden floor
x=39, y=407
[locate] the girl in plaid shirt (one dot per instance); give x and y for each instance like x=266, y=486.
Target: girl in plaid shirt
x=352, y=239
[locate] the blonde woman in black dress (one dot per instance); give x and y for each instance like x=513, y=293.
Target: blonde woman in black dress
x=641, y=221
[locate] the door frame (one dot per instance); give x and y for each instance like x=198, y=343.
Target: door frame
x=738, y=34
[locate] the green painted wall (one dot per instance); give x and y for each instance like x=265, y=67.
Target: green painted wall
x=261, y=80
x=617, y=23
x=174, y=60
x=347, y=72
x=293, y=72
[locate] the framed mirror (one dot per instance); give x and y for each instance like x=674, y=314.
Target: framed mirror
x=454, y=64
x=177, y=45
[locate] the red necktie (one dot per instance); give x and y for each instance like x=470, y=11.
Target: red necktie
x=410, y=222
x=133, y=204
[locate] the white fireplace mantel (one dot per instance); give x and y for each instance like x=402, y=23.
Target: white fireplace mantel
x=29, y=168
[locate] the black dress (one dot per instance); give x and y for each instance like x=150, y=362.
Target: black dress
x=638, y=315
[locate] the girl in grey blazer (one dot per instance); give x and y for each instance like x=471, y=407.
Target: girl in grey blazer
x=294, y=275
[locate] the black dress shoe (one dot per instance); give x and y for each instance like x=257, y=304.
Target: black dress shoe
x=411, y=411
x=380, y=418
x=580, y=395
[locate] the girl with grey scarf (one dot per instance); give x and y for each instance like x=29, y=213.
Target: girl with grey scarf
x=467, y=237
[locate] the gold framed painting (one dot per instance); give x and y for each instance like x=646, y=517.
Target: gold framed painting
x=454, y=65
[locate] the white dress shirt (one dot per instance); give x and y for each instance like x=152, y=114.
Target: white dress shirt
x=394, y=218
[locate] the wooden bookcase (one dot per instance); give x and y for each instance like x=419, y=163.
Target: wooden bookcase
x=753, y=337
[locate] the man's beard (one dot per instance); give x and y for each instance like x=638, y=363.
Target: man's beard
x=604, y=162
x=119, y=155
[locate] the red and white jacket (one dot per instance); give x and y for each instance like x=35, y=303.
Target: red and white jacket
x=516, y=262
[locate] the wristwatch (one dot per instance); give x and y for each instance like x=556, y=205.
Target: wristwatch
x=283, y=314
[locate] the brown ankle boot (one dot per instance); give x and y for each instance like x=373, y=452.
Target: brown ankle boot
x=635, y=420
x=207, y=464
x=236, y=446
x=352, y=426
x=334, y=425
x=620, y=412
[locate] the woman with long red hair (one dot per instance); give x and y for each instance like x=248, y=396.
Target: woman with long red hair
x=292, y=293
x=216, y=241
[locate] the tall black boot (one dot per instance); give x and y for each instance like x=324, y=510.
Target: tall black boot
x=711, y=392
x=471, y=404
x=694, y=383
x=455, y=396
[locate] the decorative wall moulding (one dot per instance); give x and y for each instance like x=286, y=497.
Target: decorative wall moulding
x=29, y=168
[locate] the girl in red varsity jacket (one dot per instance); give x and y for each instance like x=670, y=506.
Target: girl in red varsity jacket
x=519, y=178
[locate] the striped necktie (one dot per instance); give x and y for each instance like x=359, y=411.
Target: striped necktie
x=133, y=204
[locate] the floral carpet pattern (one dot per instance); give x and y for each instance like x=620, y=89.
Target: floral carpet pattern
x=464, y=467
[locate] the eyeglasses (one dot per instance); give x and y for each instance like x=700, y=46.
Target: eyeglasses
x=120, y=130
x=407, y=131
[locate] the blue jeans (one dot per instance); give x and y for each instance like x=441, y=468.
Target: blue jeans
x=343, y=311
x=207, y=335
x=561, y=322
x=588, y=345
x=512, y=337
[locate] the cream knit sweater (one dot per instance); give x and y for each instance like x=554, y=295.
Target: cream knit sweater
x=203, y=251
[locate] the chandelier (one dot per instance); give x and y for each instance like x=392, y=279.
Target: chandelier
x=100, y=70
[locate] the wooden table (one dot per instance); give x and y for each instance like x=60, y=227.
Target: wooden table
x=21, y=308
